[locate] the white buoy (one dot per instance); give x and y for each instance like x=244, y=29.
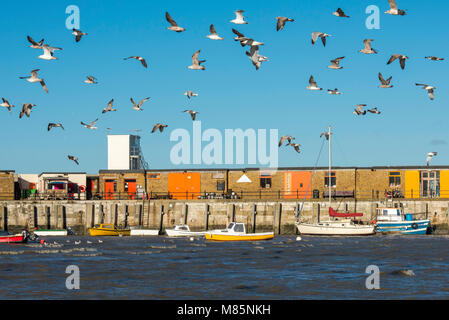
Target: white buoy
x=100, y=241
x=88, y=241
x=298, y=238
x=77, y=242
x=192, y=239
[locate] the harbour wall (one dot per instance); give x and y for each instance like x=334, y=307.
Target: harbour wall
x=261, y=216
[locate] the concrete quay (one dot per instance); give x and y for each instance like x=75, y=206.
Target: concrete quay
x=259, y=215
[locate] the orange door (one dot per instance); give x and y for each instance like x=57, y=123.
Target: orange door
x=131, y=188
x=296, y=184
x=185, y=185
x=109, y=189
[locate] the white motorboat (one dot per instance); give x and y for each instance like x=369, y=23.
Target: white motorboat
x=183, y=230
x=334, y=226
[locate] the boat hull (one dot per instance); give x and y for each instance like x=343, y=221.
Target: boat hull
x=403, y=227
x=177, y=233
x=94, y=232
x=51, y=233
x=237, y=237
x=144, y=232
x=356, y=230
x=13, y=239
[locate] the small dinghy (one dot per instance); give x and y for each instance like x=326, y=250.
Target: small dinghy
x=237, y=232
x=183, y=230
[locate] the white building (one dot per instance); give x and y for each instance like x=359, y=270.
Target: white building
x=124, y=153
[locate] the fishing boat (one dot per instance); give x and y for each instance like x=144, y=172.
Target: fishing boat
x=237, y=232
x=183, y=230
x=6, y=237
x=338, y=224
x=393, y=220
x=108, y=230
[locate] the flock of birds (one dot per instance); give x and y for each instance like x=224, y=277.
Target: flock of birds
x=256, y=58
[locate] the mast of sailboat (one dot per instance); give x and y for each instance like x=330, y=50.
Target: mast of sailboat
x=329, y=180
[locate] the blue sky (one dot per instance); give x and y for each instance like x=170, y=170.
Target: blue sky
x=232, y=94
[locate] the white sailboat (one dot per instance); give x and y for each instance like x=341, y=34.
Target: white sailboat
x=334, y=226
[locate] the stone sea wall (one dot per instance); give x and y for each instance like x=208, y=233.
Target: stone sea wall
x=277, y=216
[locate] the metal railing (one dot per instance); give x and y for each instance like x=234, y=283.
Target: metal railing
x=240, y=194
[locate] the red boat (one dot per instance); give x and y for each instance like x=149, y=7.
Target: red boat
x=9, y=238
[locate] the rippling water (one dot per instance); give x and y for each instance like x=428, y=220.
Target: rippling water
x=283, y=268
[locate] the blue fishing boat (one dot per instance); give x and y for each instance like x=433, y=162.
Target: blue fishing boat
x=393, y=220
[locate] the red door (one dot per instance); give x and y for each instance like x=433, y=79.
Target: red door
x=109, y=189
x=131, y=188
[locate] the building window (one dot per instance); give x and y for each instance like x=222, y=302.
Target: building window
x=220, y=185
x=265, y=181
x=395, y=179
x=430, y=184
x=333, y=179
x=155, y=176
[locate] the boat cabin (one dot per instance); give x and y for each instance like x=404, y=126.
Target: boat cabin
x=182, y=227
x=389, y=214
x=236, y=227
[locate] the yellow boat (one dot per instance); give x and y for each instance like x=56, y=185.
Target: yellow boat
x=108, y=230
x=237, y=232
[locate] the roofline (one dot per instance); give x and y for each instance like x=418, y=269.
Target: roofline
x=278, y=169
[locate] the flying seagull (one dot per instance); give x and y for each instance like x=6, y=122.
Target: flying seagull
x=239, y=19
x=335, y=91
x=142, y=60
x=174, y=26
x=138, y=107
x=359, y=109
x=48, y=52
x=159, y=126
x=367, y=49
x=284, y=138
x=340, y=13
x=385, y=83
x=313, y=85
x=213, y=33
x=325, y=134
x=430, y=89
x=90, y=125
x=6, y=105
x=91, y=80
x=322, y=35
x=245, y=41
x=196, y=64
x=34, y=44
x=54, y=125
x=190, y=93
x=281, y=21
x=26, y=109
x=73, y=159
x=109, y=107
x=394, y=9
x=336, y=63
x=255, y=57
x=401, y=58
x=430, y=155
x=34, y=78
x=192, y=113
x=433, y=58
x=374, y=110
x=295, y=146
x=78, y=34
